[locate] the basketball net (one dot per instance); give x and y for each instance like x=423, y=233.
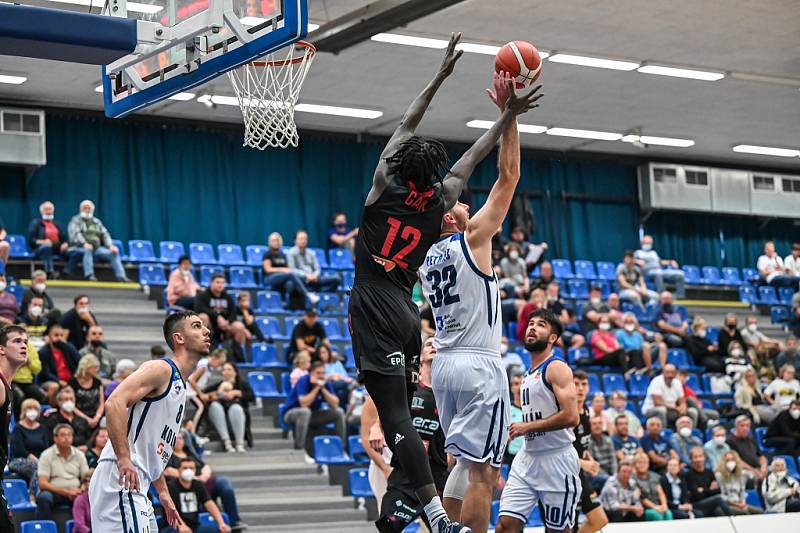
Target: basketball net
x=267, y=91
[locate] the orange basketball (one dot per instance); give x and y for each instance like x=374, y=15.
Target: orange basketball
x=521, y=60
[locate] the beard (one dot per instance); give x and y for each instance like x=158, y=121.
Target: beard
x=536, y=346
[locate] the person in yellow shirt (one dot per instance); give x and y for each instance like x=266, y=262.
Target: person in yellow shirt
x=23, y=385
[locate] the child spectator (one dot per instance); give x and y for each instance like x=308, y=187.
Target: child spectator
x=302, y=362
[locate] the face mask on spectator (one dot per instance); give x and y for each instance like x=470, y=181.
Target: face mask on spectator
x=2, y=286
x=35, y=311
x=187, y=474
x=39, y=287
x=185, y=272
x=48, y=217
x=630, y=327
x=31, y=414
x=795, y=413
x=730, y=465
x=667, y=307
x=647, y=247
x=513, y=255
x=604, y=326
x=68, y=406
x=595, y=301
x=83, y=309
x=730, y=325
x=503, y=349
x=736, y=352
x=752, y=327
x=719, y=441
x=87, y=214
x=96, y=343
x=700, y=333
x=781, y=474
x=552, y=298
x=685, y=432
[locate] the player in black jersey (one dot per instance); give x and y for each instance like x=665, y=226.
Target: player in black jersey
x=400, y=505
x=596, y=517
x=13, y=354
x=412, y=189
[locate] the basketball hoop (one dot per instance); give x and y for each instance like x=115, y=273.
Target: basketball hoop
x=267, y=91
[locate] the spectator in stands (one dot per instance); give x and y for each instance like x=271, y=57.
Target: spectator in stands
x=335, y=372
x=302, y=362
x=694, y=401
x=732, y=482
x=304, y=407
x=783, y=433
x=792, y=261
x=729, y=332
x=89, y=238
x=304, y=261
x=208, y=374
x=34, y=320
x=340, y=235
x=772, y=270
x=670, y=321
x=789, y=356
x=625, y=444
x=65, y=414
x=46, y=238
x=512, y=362
x=307, y=335
x=606, y=348
x=657, y=448
x=246, y=315
x=703, y=351
x=157, y=352
x=704, y=491
x=736, y=364
x=190, y=496
x=652, y=496
x=601, y=448
x=632, y=341
x=59, y=360
x=659, y=269
x=554, y=300
x=743, y=443
x=279, y=277
x=544, y=278
x=536, y=300
x=60, y=471
x=620, y=495
x=618, y=405
x=716, y=447
x=38, y=287
x=673, y=482
x=89, y=394
x=531, y=253
x=81, y=511
x=78, y=320
x=665, y=398
x=783, y=390
x=96, y=346
x=794, y=321
x=597, y=409
x=95, y=446
x=125, y=367
x=682, y=440
x=9, y=307
x=355, y=406
x=765, y=348
x=218, y=310
x=28, y=440
x=228, y=404
x=182, y=287
x=780, y=490
x=5, y=247
x=23, y=383
x=631, y=282
x=514, y=279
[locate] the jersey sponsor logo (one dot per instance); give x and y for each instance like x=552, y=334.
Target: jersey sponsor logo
x=417, y=403
x=387, y=264
x=425, y=425
x=396, y=359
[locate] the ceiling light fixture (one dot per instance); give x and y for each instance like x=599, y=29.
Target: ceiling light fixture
x=766, y=150
x=99, y=88
x=659, y=70
x=586, y=61
x=12, y=80
x=182, y=97
x=658, y=141
x=408, y=40
x=353, y=112
x=136, y=7
x=523, y=128
x=585, y=134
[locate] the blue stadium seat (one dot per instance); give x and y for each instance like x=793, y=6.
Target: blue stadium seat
x=38, y=526
x=712, y=276
x=606, y=271
x=18, y=247
x=270, y=327
x=505, y=470
x=637, y=385
x=171, y=251
x=584, y=269
x=667, y=433
x=712, y=334
x=605, y=287
x=760, y=433
x=242, y=277
x=348, y=278
x=118, y=243
x=266, y=356
x=791, y=465
x=525, y=356
x=152, y=274
x=613, y=382
x=731, y=276
x=332, y=329
x=68, y=526
x=263, y=384
x=785, y=295
x=767, y=295
x=692, y=274
x=747, y=294
x=328, y=450
x=562, y=268
x=779, y=314
x=577, y=289
x=16, y=491
x=350, y=359
x=413, y=527
x=678, y=357
x=594, y=385
x=269, y=302
x=495, y=514
x=141, y=252
x=359, y=483
x=286, y=382
x=205, y=519
x=207, y=271
x=230, y=254
x=340, y=259
x=329, y=304
x=290, y=324
x=202, y=253
x=576, y=354
x=753, y=498
x=356, y=449
x=750, y=274
x=322, y=257
x=255, y=254
x=694, y=383
x=16, y=291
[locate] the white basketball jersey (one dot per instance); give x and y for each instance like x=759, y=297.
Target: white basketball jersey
x=153, y=424
x=464, y=300
x=539, y=402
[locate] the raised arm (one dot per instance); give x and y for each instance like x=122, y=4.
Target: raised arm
x=413, y=116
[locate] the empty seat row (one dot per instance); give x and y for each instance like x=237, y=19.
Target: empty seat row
x=766, y=295
x=270, y=327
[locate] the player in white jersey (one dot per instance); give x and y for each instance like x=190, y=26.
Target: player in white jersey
x=144, y=415
x=546, y=469
x=468, y=377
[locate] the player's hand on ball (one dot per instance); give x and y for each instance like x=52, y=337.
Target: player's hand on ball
x=128, y=477
x=503, y=88
x=517, y=429
x=522, y=104
x=452, y=55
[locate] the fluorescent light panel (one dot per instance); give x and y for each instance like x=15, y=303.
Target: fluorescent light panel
x=12, y=80
x=596, y=62
x=340, y=111
x=766, y=150
x=408, y=40
x=585, y=134
x=523, y=128
x=136, y=7
x=693, y=74
x=182, y=97
x=658, y=141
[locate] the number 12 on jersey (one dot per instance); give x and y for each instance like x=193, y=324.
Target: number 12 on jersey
x=408, y=233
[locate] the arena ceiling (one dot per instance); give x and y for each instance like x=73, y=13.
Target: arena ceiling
x=755, y=44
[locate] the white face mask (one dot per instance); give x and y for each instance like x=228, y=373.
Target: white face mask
x=68, y=406
x=701, y=333
x=513, y=255
x=781, y=474
x=685, y=432
x=647, y=247
x=630, y=327
x=35, y=311
x=719, y=441
x=595, y=301
x=84, y=309
x=87, y=214
x=604, y=326
x=187, y=474
x=736, y=352
x=2, y=286
x=794, y=413
x=730, y=465
x=185, y=272
x=503, y=349
x=31, y=414
x=47, y=217
x=552, y=297
x=39, y=287
x=752, y=327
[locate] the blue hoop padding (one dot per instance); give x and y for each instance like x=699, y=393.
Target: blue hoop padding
x=46, y=33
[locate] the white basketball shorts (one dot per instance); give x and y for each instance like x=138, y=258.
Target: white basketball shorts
x=115, y=509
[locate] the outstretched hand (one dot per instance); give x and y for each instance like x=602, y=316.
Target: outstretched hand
x=451, y=56
x=503, y=88
x=522, y=104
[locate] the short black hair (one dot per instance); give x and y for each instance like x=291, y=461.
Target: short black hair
x=172, y=323
x=311, y=312
x=315, y=365
x=7, y=330
x=550, y=317
x=628, y=253
x=188, y=459
x=420, y=161
x=217, y=275
x=157, y=349
x=580, y=375
x=78, y=298
x=183, y=258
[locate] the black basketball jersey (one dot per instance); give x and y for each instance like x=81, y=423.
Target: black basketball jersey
x=5, y=420
x=425, y=418
x=396, y=232
x=582, y=433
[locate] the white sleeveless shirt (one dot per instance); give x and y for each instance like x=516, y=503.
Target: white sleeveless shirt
x=539, y=402
x=465, y=301
x=153, y=424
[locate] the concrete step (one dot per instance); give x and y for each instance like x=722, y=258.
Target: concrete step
x=279, y=484
x=291, y=503
x=305, y=517
x=360, y=526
